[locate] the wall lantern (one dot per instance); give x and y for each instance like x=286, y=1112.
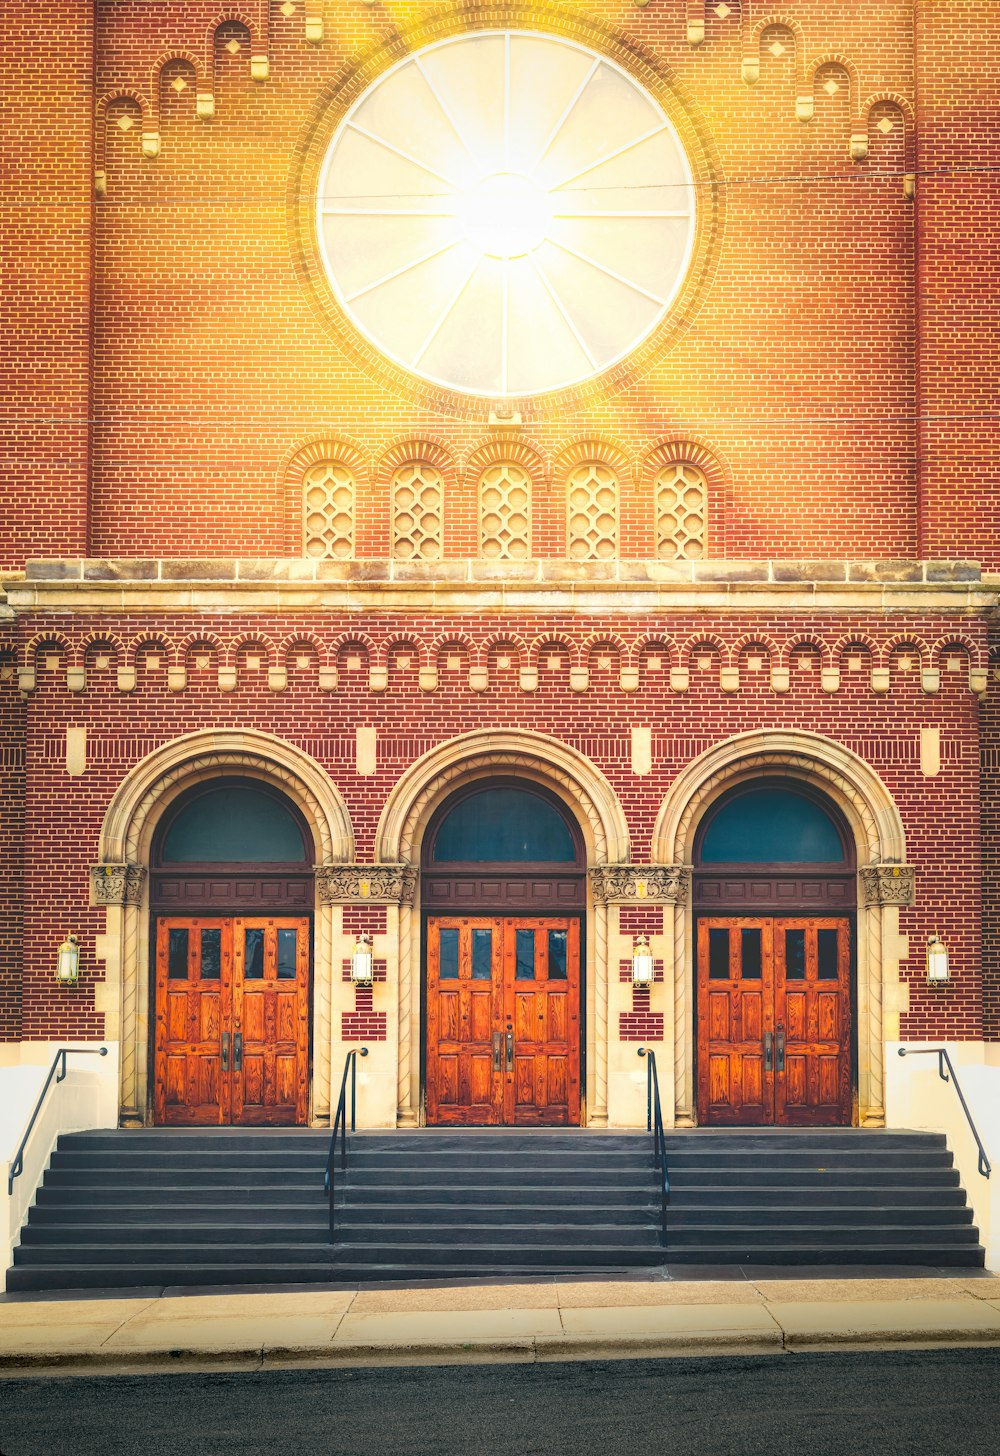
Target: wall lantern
x=937, y=961
x=361, y=961
x=642, y=962
x=68, y=962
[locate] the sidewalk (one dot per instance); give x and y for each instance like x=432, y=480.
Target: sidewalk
x=547, y=1320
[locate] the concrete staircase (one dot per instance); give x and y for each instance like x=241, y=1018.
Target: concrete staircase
x=175, y=1207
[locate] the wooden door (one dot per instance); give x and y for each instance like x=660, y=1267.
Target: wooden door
x=774, y=1014
x=194, y=988
x=812, y=989
x=735, y=1018
x=542, y=1022
x=503, y=1021
x=232, y=1021
x=270, y=1021
x=464, y=1018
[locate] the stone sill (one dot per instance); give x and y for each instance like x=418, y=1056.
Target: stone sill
x=630, y=574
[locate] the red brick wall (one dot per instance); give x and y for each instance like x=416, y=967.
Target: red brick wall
x=796, y=364
x=958, y=193
x=941, y=814
x=990, y=802
x=46, y=111
x=12, y=718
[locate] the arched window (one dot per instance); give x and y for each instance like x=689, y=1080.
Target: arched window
x=328, y=511
x=506, y=825
x=505, y=513
x=592, y=512
x=771, y=824
x=417, y=496
x=234, y=822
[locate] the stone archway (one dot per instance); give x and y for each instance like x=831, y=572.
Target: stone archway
x=885, y=883
x=120, y=881
x=588, y=796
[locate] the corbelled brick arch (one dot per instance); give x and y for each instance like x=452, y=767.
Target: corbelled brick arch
x=120, y=881
x=885, y=883
x=573, y=778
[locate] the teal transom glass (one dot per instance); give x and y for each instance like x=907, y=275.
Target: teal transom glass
x=508, y=825
x=234, y=825
x=771, y=826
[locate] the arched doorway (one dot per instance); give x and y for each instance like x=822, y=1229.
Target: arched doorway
x=231, y=894
x=774, y=900
x=503, y=899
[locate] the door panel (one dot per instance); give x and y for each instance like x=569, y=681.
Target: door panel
x=813, y=1022
x=774, y=1021
x=232, y=1021
x=503, y=1021
x=464, y=1008
x=270, y=1021
x=734, y=1012
x=193, y=997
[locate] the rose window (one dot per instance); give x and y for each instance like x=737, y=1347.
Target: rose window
x=506, y=213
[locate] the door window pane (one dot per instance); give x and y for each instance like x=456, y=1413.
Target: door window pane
x=826, y=955
x=557, y=955
x=482, y=955
x=177, y=955
x=525, y=970
x=448, y=955
x=211, y=954
x=750, y=954
x=253, y=967
x=718, y=955
x=287, y=946
x=795, y=955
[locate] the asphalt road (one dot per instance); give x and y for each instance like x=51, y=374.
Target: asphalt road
x=875, y=1402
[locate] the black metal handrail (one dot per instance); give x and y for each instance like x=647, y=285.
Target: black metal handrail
x=58, y=1061
x=944, y=1060
x=340, y=1123
x=654, y=1124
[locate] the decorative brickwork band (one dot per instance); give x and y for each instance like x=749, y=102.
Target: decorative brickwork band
x=117, y=884
x=349, y=884
x=887, y=884
x=624, y=884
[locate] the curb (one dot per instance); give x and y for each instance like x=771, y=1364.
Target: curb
x=547, y=1348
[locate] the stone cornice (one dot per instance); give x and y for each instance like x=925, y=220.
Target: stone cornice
x=887, y=884
x=366, y=884
x=300, y=584
x=632, y=884
x=117, y=884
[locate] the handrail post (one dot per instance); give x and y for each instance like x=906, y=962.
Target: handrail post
x=340, y=1125
x=654, y=1124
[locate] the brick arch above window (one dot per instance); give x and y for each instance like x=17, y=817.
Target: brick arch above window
x=688, y=486
x=320, y=485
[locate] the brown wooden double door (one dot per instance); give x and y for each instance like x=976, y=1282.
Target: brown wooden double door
x=232, y=1021
x=774, y=1021
x=503, y=1021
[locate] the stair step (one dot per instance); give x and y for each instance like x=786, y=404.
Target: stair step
x=197, y=1207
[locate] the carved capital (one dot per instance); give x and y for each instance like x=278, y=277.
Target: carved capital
x=117, y=884
x=887, y=884
x=625, y=884
x=359, y=884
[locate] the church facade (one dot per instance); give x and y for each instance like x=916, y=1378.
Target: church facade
x=508, y=490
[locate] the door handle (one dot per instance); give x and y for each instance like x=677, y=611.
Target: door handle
x=510, y=1050
x=238, y=1051
x=781, y=1049
x=225, y=1051
x=497, y=1053
x=768, y=1050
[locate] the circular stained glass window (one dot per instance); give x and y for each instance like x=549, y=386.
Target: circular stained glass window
x=506, y=213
